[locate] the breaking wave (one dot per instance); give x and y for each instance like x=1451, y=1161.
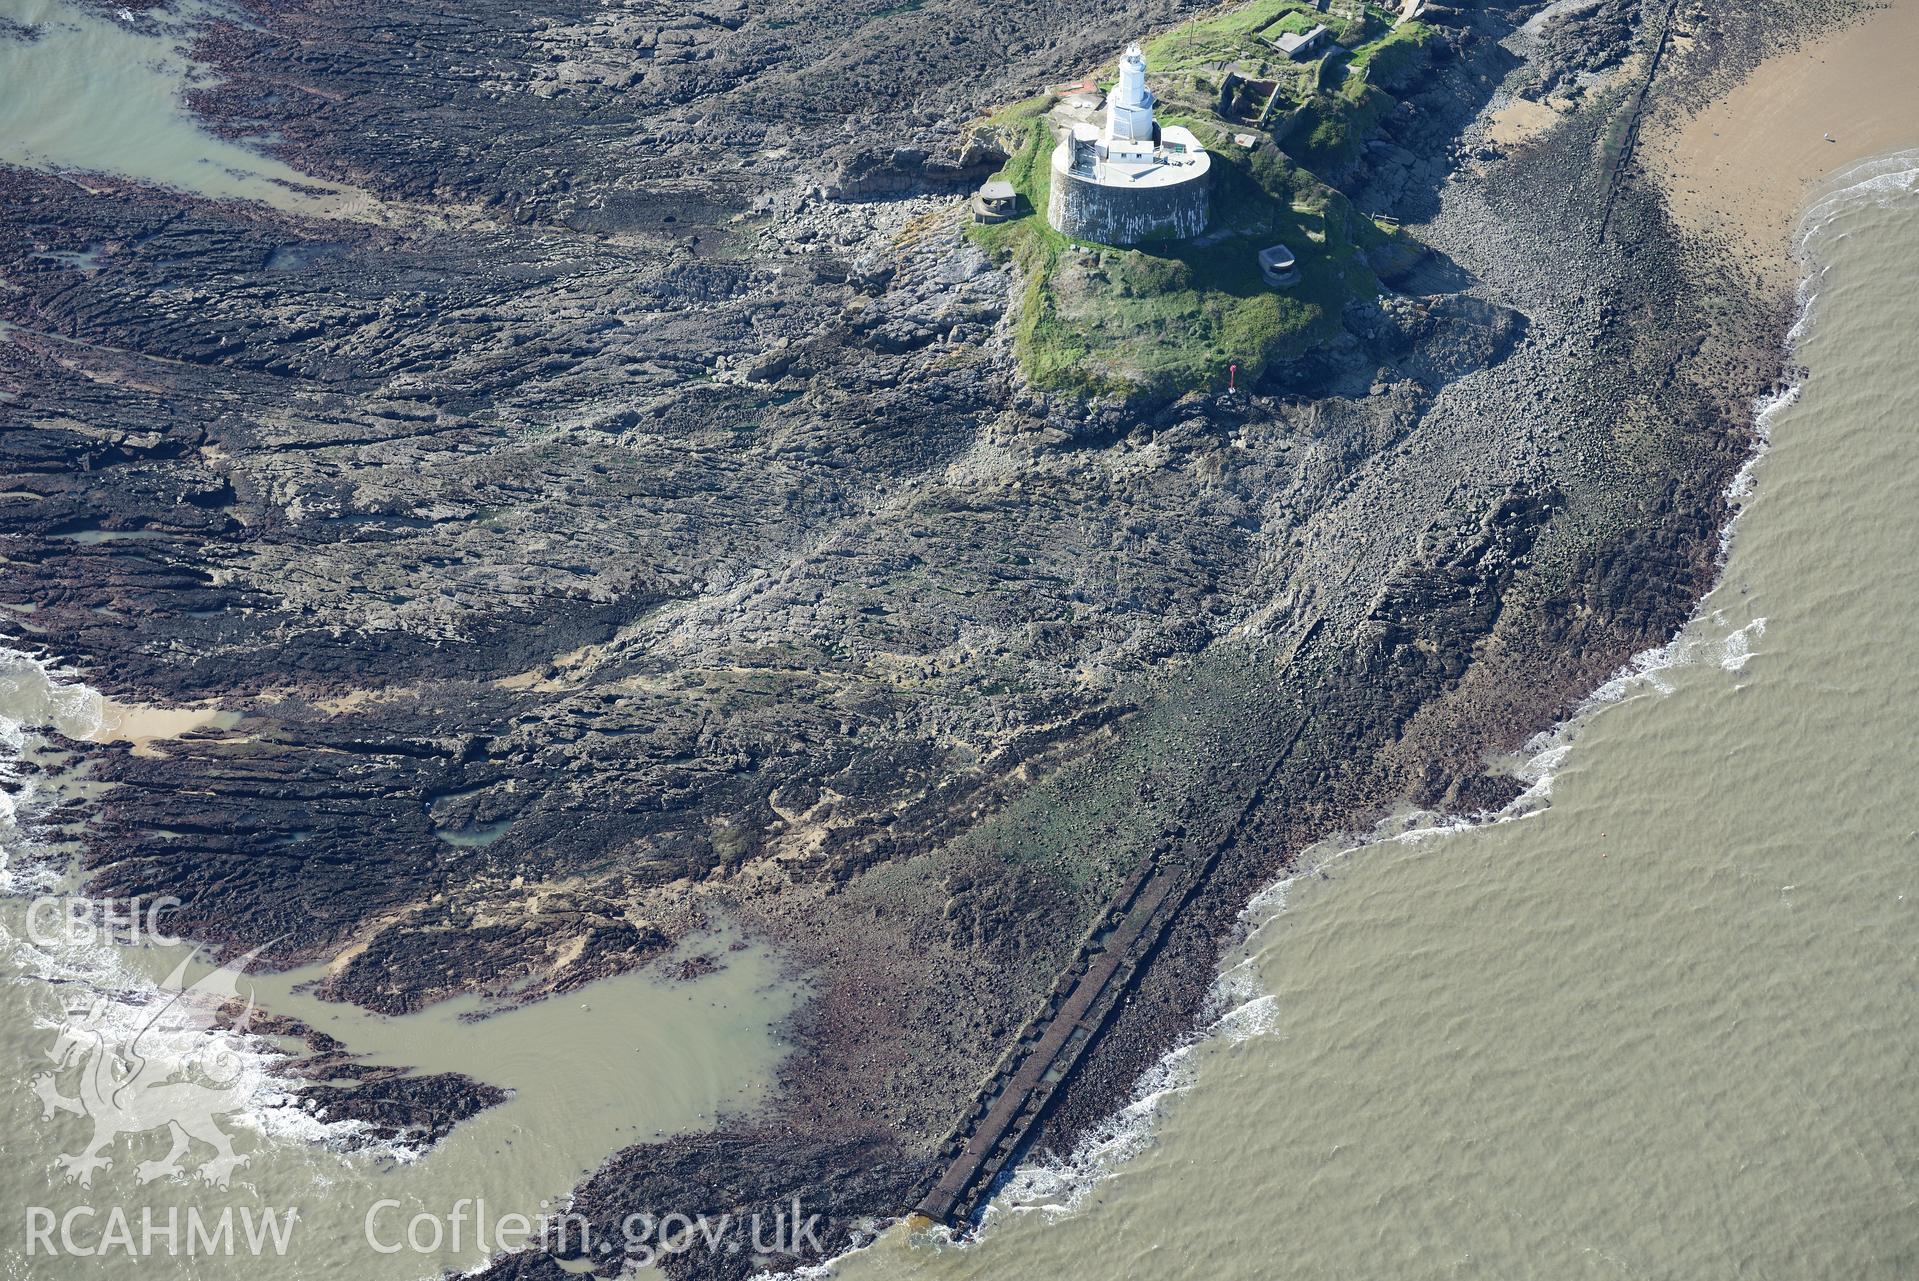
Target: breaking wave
x=1054, y=1186
x=32, y=694
x=1882, y=180
x=83, y=973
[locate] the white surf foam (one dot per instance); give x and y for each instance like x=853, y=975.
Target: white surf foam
x=37, y=697
x=1242, y=1008
x=1882, y=181
x=1238, y=1009
x=88, y=971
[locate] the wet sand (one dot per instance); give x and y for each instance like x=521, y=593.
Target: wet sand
x=623, y=1060
x=84, y=715
x=143, y=724
x=1743, y=168
x=1520, y=119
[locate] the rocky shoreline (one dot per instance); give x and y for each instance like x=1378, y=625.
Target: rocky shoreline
x=659, y=532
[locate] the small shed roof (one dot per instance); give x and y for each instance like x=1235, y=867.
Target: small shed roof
x=1277, y=258
x=1292, y=42
x=998, y=190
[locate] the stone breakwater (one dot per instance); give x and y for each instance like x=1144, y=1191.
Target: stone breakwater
x=645, y=539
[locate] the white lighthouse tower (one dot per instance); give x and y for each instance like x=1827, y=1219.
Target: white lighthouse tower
x=1134, y=180
x=1129, y=110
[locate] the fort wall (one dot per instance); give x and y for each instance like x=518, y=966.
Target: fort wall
x=1112, y=215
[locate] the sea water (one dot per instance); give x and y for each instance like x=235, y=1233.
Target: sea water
x=1665, y=1027
x=622, y=1061
x=84, y=90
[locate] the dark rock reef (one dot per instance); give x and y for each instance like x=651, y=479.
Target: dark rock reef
x=394, y=1105
x=634, y=521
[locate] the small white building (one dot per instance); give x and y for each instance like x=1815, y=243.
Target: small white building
x=1278, y=267
x=1297, y=46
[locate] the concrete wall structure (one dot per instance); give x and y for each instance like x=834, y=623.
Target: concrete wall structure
x=1087, y=209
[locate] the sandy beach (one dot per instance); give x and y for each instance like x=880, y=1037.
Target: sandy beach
x=1743, y=167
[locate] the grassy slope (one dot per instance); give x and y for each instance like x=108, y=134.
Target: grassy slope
x=1169, y=317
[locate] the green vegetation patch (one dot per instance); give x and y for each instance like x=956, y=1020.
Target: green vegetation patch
x=1165, y=318
x=1225, y=37
x=1329, y=130
x=1169, y=317
x=1239, y=36
x=1396, y=58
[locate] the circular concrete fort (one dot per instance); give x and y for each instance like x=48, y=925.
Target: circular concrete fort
x=1135, y=180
